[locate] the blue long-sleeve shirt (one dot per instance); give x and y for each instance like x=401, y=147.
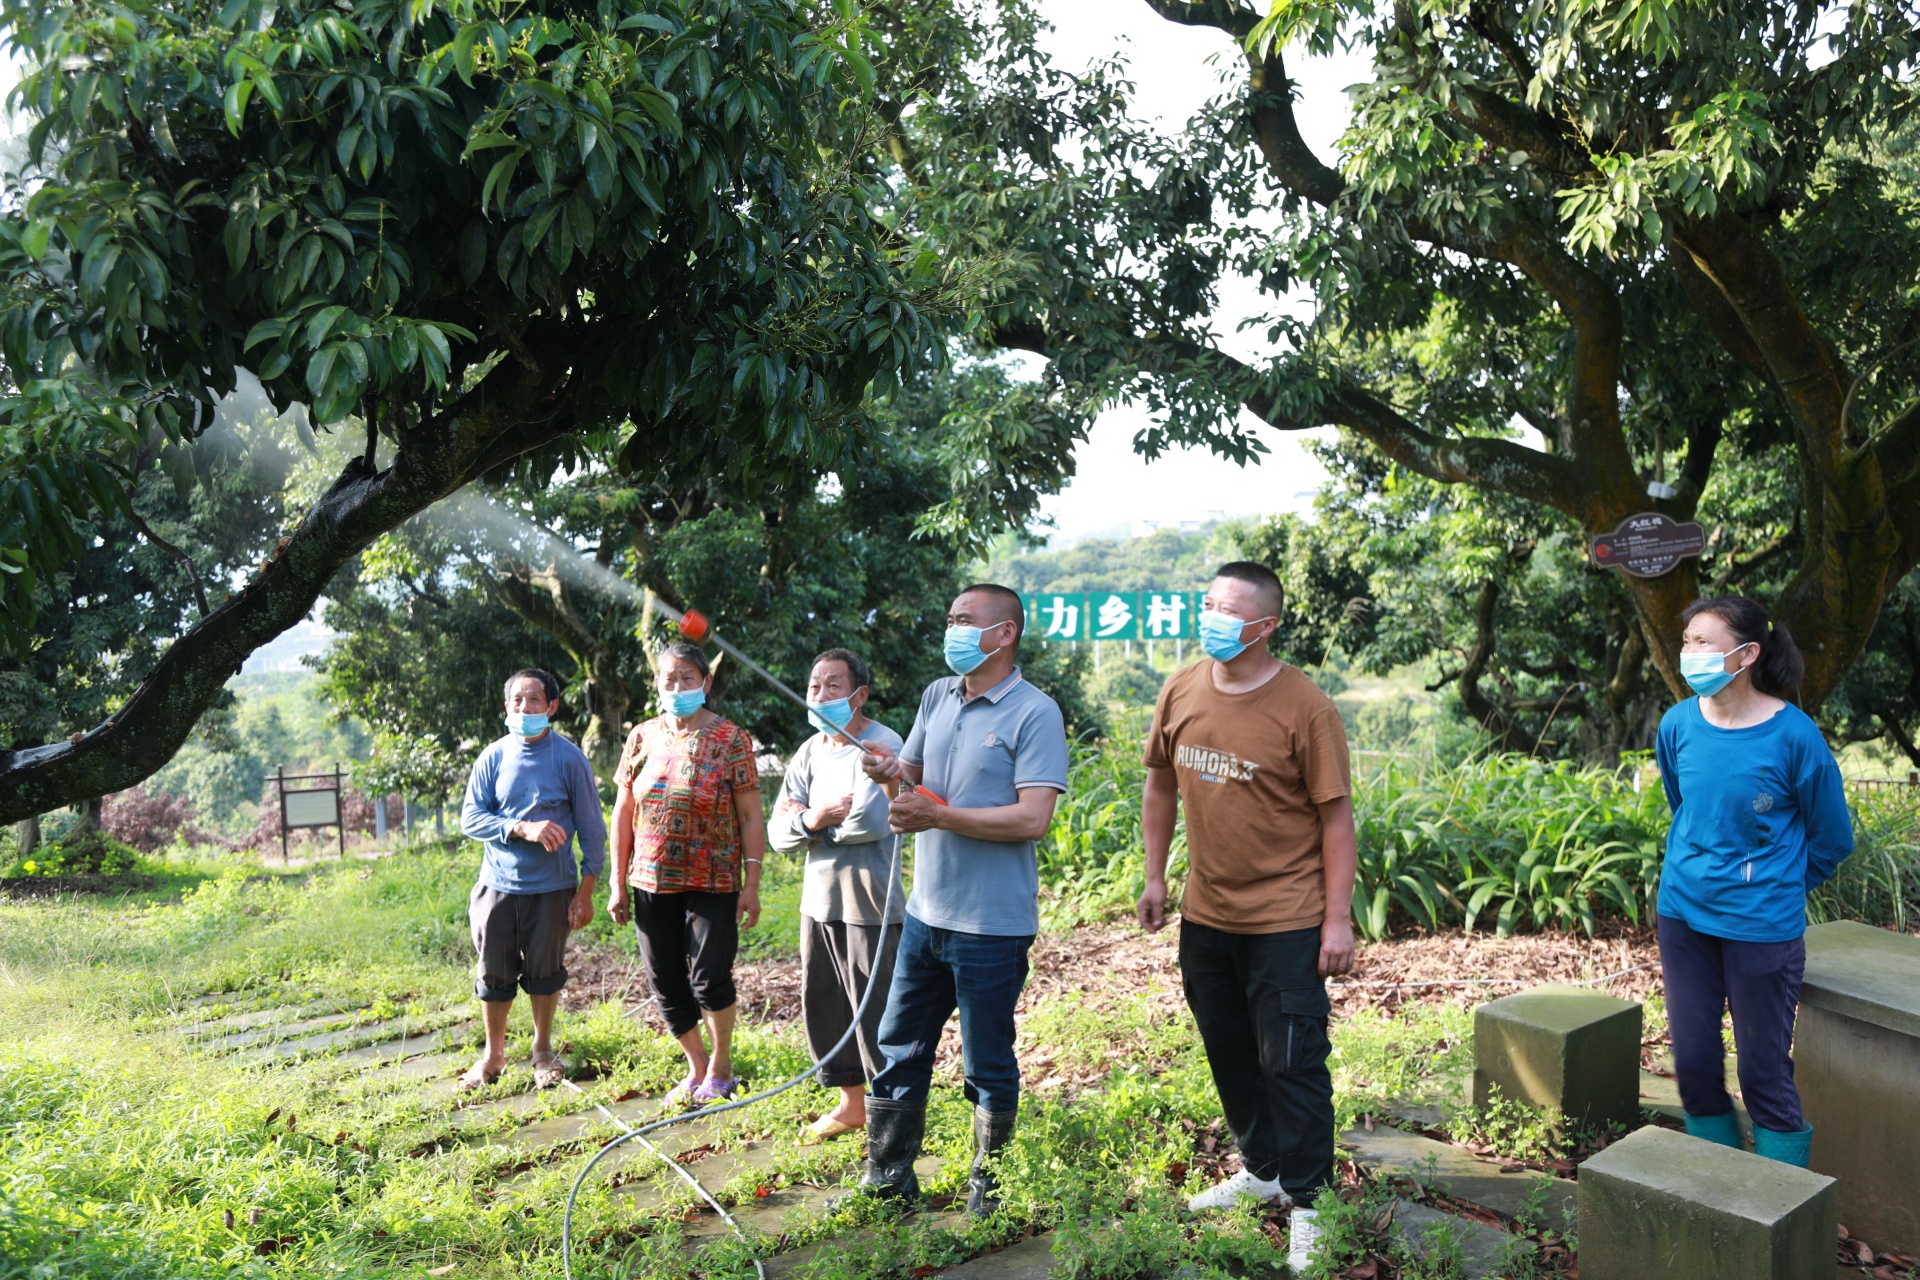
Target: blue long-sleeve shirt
x=1759, y=819
x=546, y=780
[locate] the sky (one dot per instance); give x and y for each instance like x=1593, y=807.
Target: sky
x=1176, y=69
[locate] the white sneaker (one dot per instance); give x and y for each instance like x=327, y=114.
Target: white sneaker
x=1224, y=1195
x=1302, y=1234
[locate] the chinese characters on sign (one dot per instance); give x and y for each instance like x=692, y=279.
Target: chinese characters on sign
x=1648, y=545
x=1113, y=615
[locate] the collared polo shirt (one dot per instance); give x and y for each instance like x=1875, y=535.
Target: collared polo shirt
x=978, y=753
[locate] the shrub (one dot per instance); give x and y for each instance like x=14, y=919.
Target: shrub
x=1093, y=860
x=149, y=821
x=1518, y=842
x=90, y=853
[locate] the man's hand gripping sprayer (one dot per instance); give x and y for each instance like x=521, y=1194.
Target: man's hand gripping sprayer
x=695, y=627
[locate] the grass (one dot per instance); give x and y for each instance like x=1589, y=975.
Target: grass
x=125, y=1151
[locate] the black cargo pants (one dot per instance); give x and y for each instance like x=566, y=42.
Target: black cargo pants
x=1262, y=1011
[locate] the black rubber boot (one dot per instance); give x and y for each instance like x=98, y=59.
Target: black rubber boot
x=991, y=1131
x=895, y=1131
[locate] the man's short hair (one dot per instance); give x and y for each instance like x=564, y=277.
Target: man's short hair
x=1011, y=606
x=1273, y=597
x=856, y=665
x=548, y=683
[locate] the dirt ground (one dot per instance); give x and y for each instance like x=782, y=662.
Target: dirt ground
x=1097, y=964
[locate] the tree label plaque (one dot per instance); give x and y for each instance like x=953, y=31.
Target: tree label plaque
x=1648, y=545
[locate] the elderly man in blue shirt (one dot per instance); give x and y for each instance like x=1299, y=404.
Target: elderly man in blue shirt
x=529, y=795
x=994, y=749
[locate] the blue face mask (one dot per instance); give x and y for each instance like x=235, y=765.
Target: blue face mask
x=831, y=716
x=1706, y=673
x=524, y=724
x=682, y=703
x=1220, y=634
x=963, y=648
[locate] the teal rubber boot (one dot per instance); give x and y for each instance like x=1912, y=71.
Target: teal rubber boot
x=1787, y=1148
x=1723, y=1128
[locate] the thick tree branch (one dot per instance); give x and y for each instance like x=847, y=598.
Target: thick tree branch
x=1718, y=315
x=1802, y=365
x=1506, y=732
x=1233, y=18
x=1588, y=302
x=360, y=506
x=1703, y=443
x=1278, y=134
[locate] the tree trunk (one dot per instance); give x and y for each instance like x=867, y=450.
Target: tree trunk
x=515, y=408
x=88, y=821
x=26, y=836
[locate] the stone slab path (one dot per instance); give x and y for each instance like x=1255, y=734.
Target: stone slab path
x=538, y=1133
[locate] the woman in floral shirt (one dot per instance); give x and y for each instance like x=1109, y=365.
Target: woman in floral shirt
x=688, y=836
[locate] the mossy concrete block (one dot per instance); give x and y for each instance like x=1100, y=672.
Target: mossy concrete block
x=1659, y=1205
x=1857, y=1062
x=1566, y=1047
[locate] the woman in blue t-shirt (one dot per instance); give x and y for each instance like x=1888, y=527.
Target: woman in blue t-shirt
x=1759, y=819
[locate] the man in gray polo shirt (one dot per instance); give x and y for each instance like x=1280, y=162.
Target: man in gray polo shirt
x=994, y=750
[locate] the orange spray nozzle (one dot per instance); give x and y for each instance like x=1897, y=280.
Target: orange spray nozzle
x=693, y=625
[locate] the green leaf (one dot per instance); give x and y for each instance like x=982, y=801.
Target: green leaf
x=236, y=104
x=264, y=331
x=322, y=324
x=463, y=51
x=499, y=176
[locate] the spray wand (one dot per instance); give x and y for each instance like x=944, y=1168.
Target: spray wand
x=693, y=624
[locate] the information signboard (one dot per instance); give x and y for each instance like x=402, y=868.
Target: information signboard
x=308, y=807
x=1648, y=545
x=1071, y=617
x=313, y=808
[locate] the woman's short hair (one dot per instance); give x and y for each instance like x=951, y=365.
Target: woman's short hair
x=681, y=651
x=1781, y=667
x=856, y=665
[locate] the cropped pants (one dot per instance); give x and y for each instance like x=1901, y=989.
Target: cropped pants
x=687, y=945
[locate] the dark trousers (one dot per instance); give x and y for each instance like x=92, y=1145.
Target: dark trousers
x=687, y=945
x=1262, y=1011
x=521, y=939
x=937, y=971
x=1760, y=981
x=837, y=961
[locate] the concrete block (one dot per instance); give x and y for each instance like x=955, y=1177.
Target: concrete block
x=1857, y=1063
x=1566, y=1047
x=1659, y=1205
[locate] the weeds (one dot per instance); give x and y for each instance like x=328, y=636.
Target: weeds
x=1511, y=1129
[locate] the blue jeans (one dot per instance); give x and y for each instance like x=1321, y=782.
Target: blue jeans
x=1759, y=982
x=936, y=971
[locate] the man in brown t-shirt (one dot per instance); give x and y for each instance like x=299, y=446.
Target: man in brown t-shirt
x=1258, y=755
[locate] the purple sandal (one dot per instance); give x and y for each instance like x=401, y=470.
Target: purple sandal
x=711, y=1091
x=680, y=1097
